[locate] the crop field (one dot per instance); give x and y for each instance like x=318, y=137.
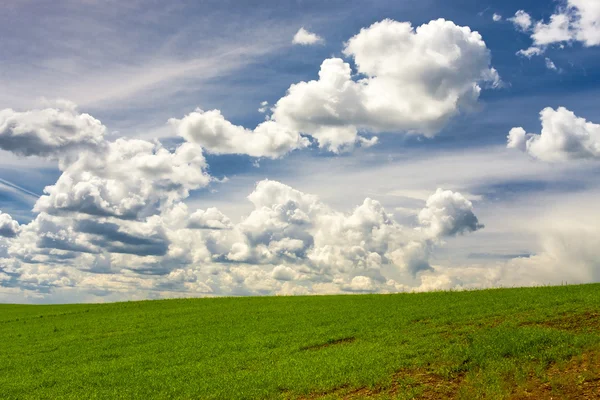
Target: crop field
x=494, y=344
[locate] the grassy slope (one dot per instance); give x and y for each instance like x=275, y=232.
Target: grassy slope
x=458, y=344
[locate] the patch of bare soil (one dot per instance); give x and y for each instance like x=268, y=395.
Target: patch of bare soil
x=422, y=384
x=586, y=321
x=578, y=379
x=329, y=343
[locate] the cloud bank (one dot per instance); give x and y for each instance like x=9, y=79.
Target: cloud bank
x=115, y=222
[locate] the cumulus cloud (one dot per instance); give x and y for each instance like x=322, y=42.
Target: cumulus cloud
x=210, y=218
x=50, y=132
x=108, y=202
x=410, y=80
x=497, y=17
x=291, y=243
x=213, y=132
x=564, y=136
x=294, y=227
x=129, y=179
x=448, y=214
x=8, y=226
x=283, y=273
x=306, y=38
x=573, y=21
x=415, y=80
x=360, y=284
x=115, y=221
x=521, y=20
x=557, y=30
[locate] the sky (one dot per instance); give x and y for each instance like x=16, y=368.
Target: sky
x=225, y=148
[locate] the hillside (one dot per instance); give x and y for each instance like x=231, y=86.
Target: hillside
x=503, y=343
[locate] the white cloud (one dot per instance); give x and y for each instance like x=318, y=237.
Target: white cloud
x=564, y=136
x=217, y=135
x=569, y=244
x=293, y=227
x=573, y=21
x=550, y=64
x=415, y=81
x=521, y=20
x=8, y=226
x=49, y=132
x=306, y=38
x=497, y=17
x=588, y=25
x=448, y=214
x=557, y=30
x=264, y=107
x=129, y=179
x=361, y=284
x=291, y=243
x=283, y=273
x=212, y=218
x=530, y=52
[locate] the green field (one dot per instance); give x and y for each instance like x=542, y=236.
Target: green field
x=502, y=343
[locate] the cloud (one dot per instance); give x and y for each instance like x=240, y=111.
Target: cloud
x=130, y=179
x=296, y=228
x=283, y=273
x=573, y=21
x=530, y=52
x=410, y=81
x=306, y=38
x=557, y=30
x=264, y=107
x=448, y=214
x=8, y=227
x=587, y=26
x=497, y=17
x=521, y=20
x=291, y=243
x=564, y=137
x=414, y=80
x=50, y=132
x=568, y=253
x=140, y=239
x=361, y=284
x=212, y=218
x=550, y=64
x=213, y=132
x=109, y=197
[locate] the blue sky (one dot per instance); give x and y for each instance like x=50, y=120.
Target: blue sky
x=136, y=66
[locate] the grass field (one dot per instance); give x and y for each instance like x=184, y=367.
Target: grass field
x=503, y=343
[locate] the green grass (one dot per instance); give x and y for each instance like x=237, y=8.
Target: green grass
x=474, y=344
